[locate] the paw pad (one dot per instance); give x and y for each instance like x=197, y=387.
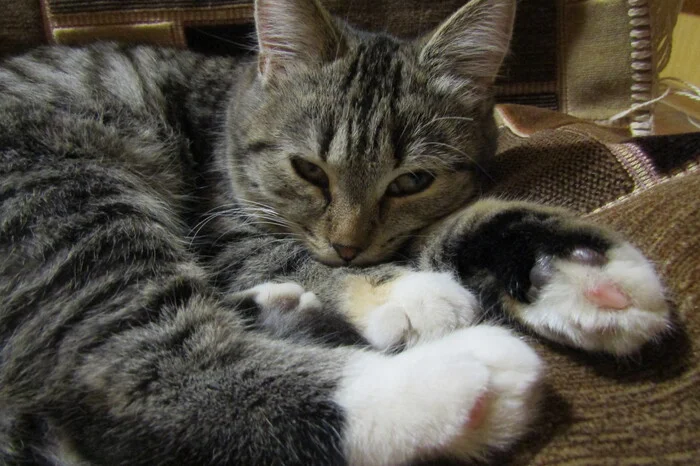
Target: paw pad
x=479, y=411
x=543, y=271
x=587, y=256
x=608, y=295
x=612, y=302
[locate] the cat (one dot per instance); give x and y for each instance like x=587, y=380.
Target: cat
x=212, y=260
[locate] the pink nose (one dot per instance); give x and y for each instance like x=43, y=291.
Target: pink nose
x=347, y=253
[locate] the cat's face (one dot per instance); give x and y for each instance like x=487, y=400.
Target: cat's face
x=358, y=151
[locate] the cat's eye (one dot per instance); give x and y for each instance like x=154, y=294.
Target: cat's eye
x=310, y=172
x=410, y=183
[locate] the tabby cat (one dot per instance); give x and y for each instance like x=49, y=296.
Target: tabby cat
x=208, y=261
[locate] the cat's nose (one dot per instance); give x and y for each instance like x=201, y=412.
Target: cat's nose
x=347, y=253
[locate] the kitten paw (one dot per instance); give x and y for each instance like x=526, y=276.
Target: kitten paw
x=612, y=302
x=283, y=297
x=420, y=306
x=472, y=391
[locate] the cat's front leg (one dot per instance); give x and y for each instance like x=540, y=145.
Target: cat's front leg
x=407, y=307
x=390, y=307
x=288, y=310
x=568, y=280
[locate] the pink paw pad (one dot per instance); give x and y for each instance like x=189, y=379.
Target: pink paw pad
x=608, y=295
x=477, y=415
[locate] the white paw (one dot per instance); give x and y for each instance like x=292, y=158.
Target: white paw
x=283, y=297
x=460, y=396
x=420, y=306
x=614, y=303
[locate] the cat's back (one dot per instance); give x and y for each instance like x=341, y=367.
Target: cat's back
x=101, y=74
x=72, y=113
x=90, y=135
x=95, y=153
x=137, y=93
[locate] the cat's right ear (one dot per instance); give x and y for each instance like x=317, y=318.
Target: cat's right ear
x=293, y=33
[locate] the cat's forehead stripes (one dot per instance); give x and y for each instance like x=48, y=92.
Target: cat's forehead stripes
x=369, y=96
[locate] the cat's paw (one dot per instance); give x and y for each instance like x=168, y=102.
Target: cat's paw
x=611, y=302
x=420, y=306
x=472, y=391
x=284, y=308
x=283, y=297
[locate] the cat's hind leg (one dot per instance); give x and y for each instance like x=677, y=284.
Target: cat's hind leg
x=461, y=392
x=460, y=396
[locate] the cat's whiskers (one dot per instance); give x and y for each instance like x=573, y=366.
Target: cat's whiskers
x=430, y=162
x=249, y=47
x=270, y=219
x=250, y=215
x=194, y=232
x=264, y=215
x=453, y=118
x=288, y=236
x=283, y=254
x=268, y=213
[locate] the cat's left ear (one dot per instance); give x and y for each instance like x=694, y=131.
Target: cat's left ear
x=293, y=33
x=469, y=47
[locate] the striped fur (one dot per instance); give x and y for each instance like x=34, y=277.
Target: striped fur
x=145, y=192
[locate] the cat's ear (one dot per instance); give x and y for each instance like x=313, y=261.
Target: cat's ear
x=292, y=33
x=469, y=47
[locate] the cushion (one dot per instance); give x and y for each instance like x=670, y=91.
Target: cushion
x=589, y=58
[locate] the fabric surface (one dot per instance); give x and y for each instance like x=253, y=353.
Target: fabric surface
x=21, y=26
x=589, y=58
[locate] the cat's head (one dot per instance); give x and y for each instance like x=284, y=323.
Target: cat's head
x=354, y=141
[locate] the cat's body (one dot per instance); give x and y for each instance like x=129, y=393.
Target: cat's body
x=150, y=196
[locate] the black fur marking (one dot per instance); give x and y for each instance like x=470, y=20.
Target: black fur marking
x=507, y=246
x=326, y=137
x=378, y=72
x=352, y=73
x=319, y=326
x=397, y=127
